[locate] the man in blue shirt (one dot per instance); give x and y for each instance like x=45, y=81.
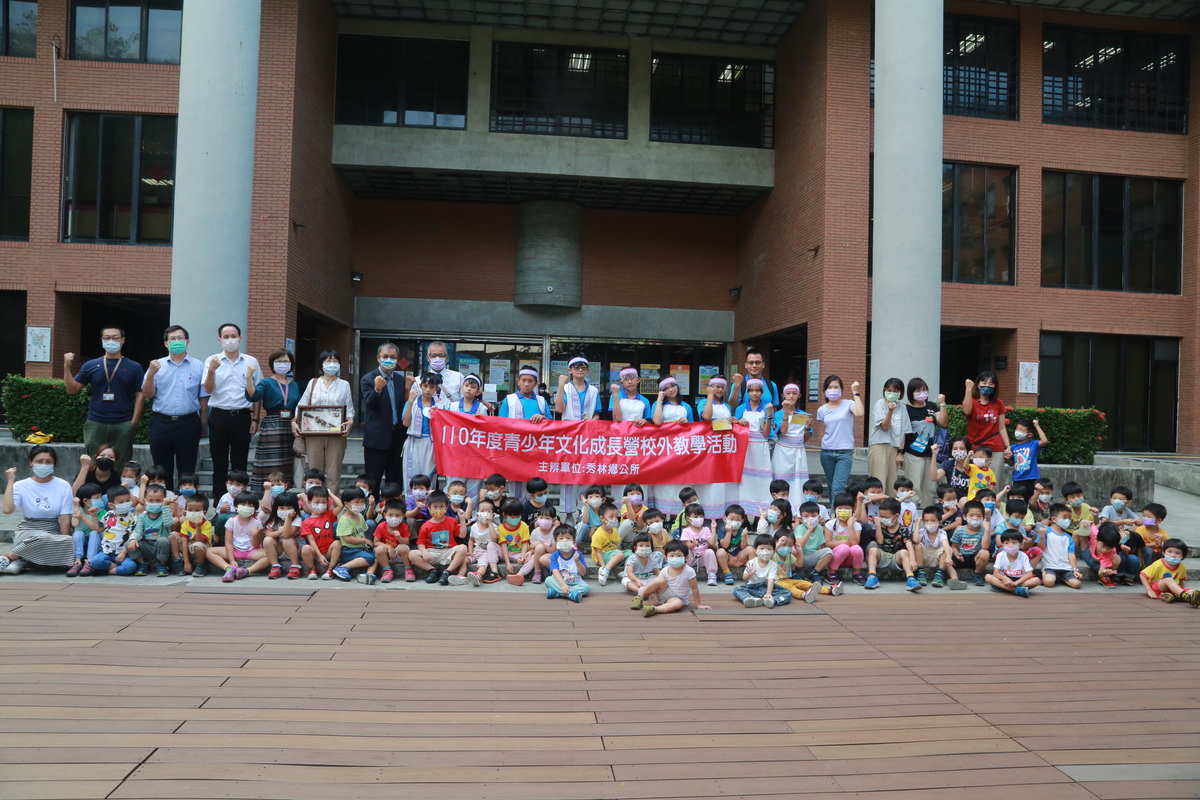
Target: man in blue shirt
x=754, y=369
x=115, y=404
x=176, y=385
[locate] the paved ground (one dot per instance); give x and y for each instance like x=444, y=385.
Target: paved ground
x=307, y=690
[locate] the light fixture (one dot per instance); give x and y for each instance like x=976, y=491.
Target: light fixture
x=735, y=291
x=356, y=277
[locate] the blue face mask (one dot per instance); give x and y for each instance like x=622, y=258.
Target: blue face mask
x=1172, y=561
x=810, y=498
x=389, y=363
x=1015, y=521
x=990, y=506
x=277, y=490
x=154, y=508
x=987, y=391
x=187, y=492
x=784, y=551
x=1118, y=504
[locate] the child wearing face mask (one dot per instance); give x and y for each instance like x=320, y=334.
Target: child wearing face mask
x=948, y=510
x=842, y=536
x=642, y=564
x=1059, y=559
x=89, y=505
x=969, y=542
x=701, y=542
x=791, y=565
x=813, y=557
x=541, y=542
x=1032, y=541
x=904, y=492
x=1025, y=449
x=933, y=551
x=566, y=568
x=673, y=589
x=357, y=550
x=633, y=508
x=656, y=529
x=469, y=403
x=513, y=538
x=391, y=543
x=312, y=479
x=117, y=545
x=417, y=504
x=955, y=471
x=762, y=571
x=281, y=534
x=195, y=536
x=537, y=495
x=1103, y=553
x=484, y=551
x=732, y=552
x=152, y=532
x=606, y=543
x=756, y=413
x=243, y=541
x=1164, y=579
x=895, y=546
x=1151, y=531
x=1082, y=515
x=320, y=549
x=495, y=488
x=1012, y=571
x=131, y=474
x=980, y=475
x=812, y=494
x=589, y=514
x=1041, y=499
x=713, y=408
x=462, y=506
x=418, y=418
x=992, y=513
x=275, y=485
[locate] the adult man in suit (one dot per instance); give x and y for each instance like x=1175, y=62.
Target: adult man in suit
x=383, y=393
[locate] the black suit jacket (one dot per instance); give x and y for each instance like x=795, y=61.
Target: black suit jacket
x=379, y=432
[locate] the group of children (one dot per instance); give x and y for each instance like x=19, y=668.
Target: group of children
x=780, y=551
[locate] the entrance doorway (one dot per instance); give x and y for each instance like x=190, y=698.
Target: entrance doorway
x=966, y=352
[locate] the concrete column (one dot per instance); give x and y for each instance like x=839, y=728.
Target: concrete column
x=214, y=172
x=479, y=84
x=640, y=67
x=549, y=254
x=907, y=283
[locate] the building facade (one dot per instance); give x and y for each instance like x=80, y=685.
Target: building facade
x=648, y=183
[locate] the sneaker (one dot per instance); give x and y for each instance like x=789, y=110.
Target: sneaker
x=537, y=576
x=836, y=591
x=410, y=576
x=831, y=578
x=85, y=571
x=515, y=578
x=860, y=578
x=575, y=596
x=1107, y=583
x=912, y=584
x=163, y=572
x=341, y=573
x=1128, y=580
x=1193, y=598
x=1169, y=598
x=458, y=580
x=601, y=575
x=649, y=611
x=812, y=593
x=327, y=575
x=199, y=571
x=712, y=579
x=752, y=602
x=312, y=575
x=552, y=593
x=490, y=578
x=955, y=585
x=240, y=572
x=230, y=575
x=921, y=577
x=177, y=567
x=939, y=579
x=369, y=578
x=769, y=601
x=387, y=576
x=872, y=581
x=141, y=570
x=444, y=577
x=979, y=581
x=1021, y=591
x=474, y=578
x=729, y=577
x=16, y=566
x=293, y=572
x=4, y=562
x=276, y=572
x=432, y=575
x=637, y=602
x=73, y=571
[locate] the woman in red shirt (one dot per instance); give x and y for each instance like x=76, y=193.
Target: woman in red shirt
x=986, y=423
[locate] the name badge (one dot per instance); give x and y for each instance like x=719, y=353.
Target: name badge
x=108, y=397
x=285, y=414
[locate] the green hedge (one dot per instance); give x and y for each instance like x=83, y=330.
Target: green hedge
x=42, y=405
x=1075, y=434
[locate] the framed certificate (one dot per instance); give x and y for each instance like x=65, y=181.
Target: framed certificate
x=321, y=420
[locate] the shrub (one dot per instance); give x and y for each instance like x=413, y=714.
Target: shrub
x=42, y=405
x=1075, y=434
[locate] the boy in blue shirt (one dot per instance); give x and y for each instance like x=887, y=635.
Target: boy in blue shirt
x=968, y=543
x=589, y=517
x=152, y=533
x=1025, y=453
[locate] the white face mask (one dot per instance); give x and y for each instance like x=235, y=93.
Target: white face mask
x=394, y=522
x=643, y=552
x=230, y=344
x=980, y=462
x=565, y=545
x=1020, y=435
x=931, y=527
x=484, y=516
x=128, y=482
x=358, y=508
x=317, y=508
x=493, y=495
x=123, y=508
x=457, y=499
x=765, y=555
x=696, y=522
x=245, y=512
x=654, y=527
x=285, y=514
x=595, y=502
x=194, y=517
x=958, y=455
x=733, y=524
x=950, y=503
x=1045, y=498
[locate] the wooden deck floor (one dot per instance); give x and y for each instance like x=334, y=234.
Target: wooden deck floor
x=348, y=692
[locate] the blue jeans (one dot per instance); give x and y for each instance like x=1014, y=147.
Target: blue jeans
x=92, y=540
x=837, y=465
x=102, y=562
x=1130, y=564
x=782, y=596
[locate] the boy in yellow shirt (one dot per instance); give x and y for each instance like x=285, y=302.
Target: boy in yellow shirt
x=979, y=474
x=1163, y=580
x=196, y=534
x=606, y=542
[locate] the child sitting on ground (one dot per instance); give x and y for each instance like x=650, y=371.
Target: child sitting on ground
x=437, y=550
x=969, y=542
x=642, y=564
x=1013, y=572
x=485, y=548
x=673, y=589
x=513, y=538
x=153, y=531
x=389, y=549
x=321, y=548
x=566, y=568
x=1059, y=560
x=701, y=542
x=933, y=550
x=1151, y=531
x=1102, y=553
x=732, y=552
x=791, y=566
x=281, y=534
x=589, y=515
x=195, y=534
x=895, y=546
x=762, y=571
x=1163, y=580
x=541, y=541
x=117, y=544
x=655, y=527
x=606, y=543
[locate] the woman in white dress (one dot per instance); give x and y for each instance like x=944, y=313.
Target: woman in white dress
x=789, y=462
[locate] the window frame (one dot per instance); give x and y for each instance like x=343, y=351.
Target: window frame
x=1156, y=118
x=402, y=56
x=6, y=26
x=619, y=123
x=1093, y=239
x=70, y=158
x=143, y=36
x=712, y=118
x=5, y=111
x=956, y=227
x=955, y=31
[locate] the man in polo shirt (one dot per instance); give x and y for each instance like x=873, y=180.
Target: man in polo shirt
x=115, y=404
x=176, y=384
x=230, y=415
x=439, y=359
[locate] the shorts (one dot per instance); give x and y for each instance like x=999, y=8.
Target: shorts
x=242, y=555
x=965, y=560
x=643, y=578
x=1154, y=588
x=439, y=558
x=932, y=557
x=813, y=557
x=349, y=554
x=323, y=550
x=886, y=559
x=1060, y=574
x=666, y=594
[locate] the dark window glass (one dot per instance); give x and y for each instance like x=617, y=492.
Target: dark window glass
x=119, y=179
x=384, y=80
x=18, y=28
x=706, y=100
x=16, y=171
x=1115, y=79
x=1111, y=232
x=977, y=228
x=146, y=31
x=559, y=90
x=1134, y=380
x=979, y=76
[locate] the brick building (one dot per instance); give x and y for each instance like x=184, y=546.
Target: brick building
x=646, y=182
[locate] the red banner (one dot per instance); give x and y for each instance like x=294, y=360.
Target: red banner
x=592, y=451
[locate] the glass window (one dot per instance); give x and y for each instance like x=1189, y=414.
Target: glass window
x=559, y=90
x=1103, y=78
x=709, y=100
x=384, y=80
x=146, y=31
x=18, y=28
x=119, y=179
x=979, y=75
x=16, y=171
x=977, y=227
x=1111, y=232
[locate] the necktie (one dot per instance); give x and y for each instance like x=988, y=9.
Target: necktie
x=392, y=400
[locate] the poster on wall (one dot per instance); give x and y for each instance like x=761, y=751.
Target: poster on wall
x=614, y=370
x=707, y=372
x=682, y=373
x=649, y=382
x=595, y=373
x=498, y=369
x=557, y=368
x=1028, y=377
x=468, y=364
x=37, y=344
x=814, y=380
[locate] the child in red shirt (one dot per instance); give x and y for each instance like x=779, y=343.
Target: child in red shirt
x=320, y=531
x=437, y=548
x=388, y=547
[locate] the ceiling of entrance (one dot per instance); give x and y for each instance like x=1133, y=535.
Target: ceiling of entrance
x=1155, y=9
x=758, y=22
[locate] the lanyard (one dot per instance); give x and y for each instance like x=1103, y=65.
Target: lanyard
x=108, y=377
x=283, y=389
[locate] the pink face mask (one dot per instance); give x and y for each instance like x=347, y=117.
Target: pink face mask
x=833, y=394
x=545, y=524
x=920, y=397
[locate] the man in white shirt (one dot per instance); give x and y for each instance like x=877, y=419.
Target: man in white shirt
x=230, y=415
x=438, y=356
